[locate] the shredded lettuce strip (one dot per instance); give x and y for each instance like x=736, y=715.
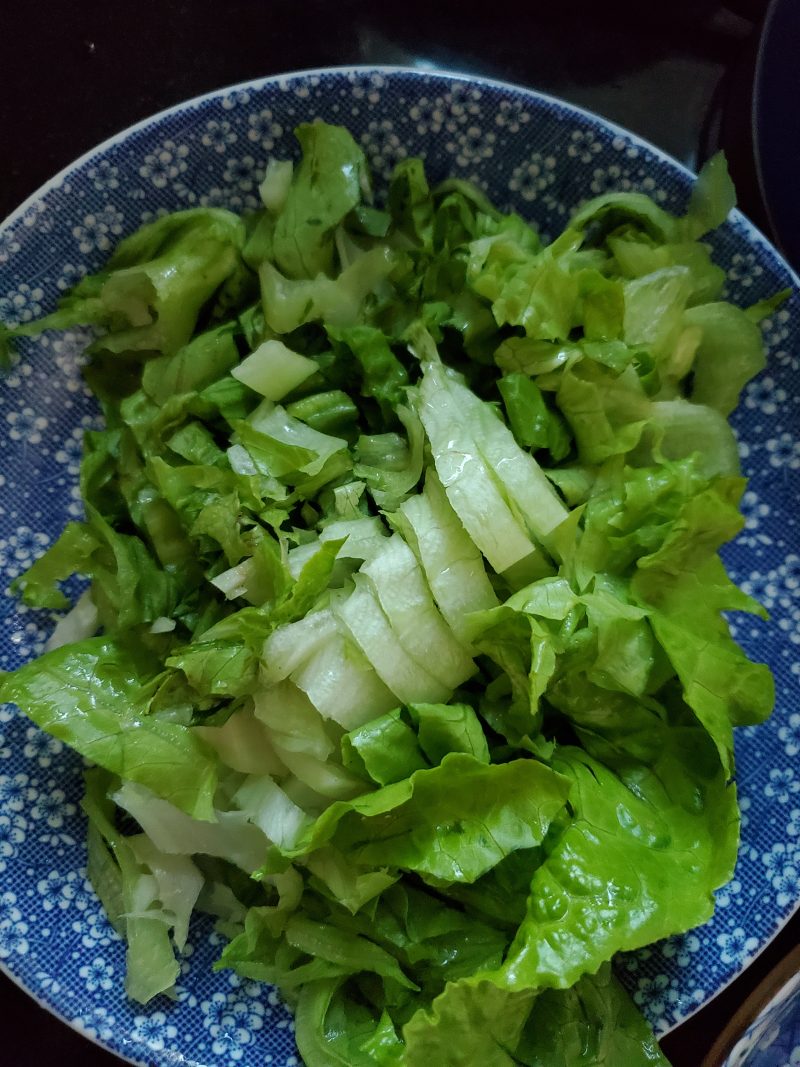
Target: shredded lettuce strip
x=403, y=652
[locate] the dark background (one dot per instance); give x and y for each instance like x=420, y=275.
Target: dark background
x=679, y=74
x=73, y=74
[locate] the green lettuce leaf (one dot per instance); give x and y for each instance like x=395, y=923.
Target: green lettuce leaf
x=722, y=686
x=324, y=189
x=39, y=585
x=472, y=740
x=289, y=303
x=451, y=823
x=593, y=1024
x=391, y=747
x=335, y=1030
x=478, y=1015
x=94, y=696
x=730, y=353
x=133, y=891
x=383, y=375
x=204, y=360
x=639, y=859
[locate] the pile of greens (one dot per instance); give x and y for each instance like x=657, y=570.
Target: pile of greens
x=403, y=653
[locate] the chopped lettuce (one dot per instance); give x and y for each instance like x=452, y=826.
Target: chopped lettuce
x=404, y=649
x=323, y=190
x=95, y=696
x=450, y=823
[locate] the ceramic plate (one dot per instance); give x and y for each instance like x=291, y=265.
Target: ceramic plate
x=530, y=153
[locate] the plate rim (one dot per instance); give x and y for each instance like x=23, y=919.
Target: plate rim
x=737, y=218
x=73, y=1024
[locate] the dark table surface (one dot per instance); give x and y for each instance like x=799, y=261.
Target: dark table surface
x=679, y=74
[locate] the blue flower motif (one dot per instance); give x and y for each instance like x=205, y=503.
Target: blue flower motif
x=744, y=809
x=782, y=784
x=729, y=893
x=13, y=828
x=231, y=1023
x=21, y=304
x=14, y=940
x=786, y=883
x=104, y=176
x=94, y=928
x=163, y=165
x=99, y=974
x=9, y=912
x=15, y=792
x=753, y=509
x=71, y=450
x=238, y=98
x=40, y=747
x=99, y=230
x=52, y=808
x=428, y=114
x=49, y=890
x=13, y=928
x=512, y=115
x=790, y=569
x=25, y=425
x=9, y=247
x=736, y=946
x=219, y=135
x=98, y=1022
x=653, y=992
x=745, y=269
x=241, y=174
x=364, y=87
x=154, y=1031
x=682, y=949
x=789, y=733
x=784, y=451
x=49, y=983
x=765, y=395
x=263, y=129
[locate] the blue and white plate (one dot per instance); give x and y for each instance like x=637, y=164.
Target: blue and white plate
x=531, y=153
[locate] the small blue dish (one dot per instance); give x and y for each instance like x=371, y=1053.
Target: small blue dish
x=773, y=1040
x=530, y=153
x=765, y=1031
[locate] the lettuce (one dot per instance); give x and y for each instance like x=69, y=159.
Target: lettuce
x=323, y=189
x=402, y=539
x=397, y=579
x=156, y=283
x=146, y=893
x=391, y=747
x=451, y=823
x=610, y=880
x=94, y=695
